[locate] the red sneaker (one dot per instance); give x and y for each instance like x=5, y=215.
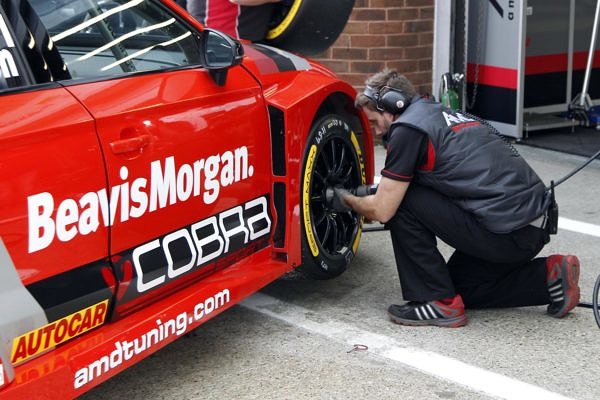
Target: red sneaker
x=563, y=284
x=447, y=314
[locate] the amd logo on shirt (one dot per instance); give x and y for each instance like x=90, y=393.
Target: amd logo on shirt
x=457, y=121
x=456, y=118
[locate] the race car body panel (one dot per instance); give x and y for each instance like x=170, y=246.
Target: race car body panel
x=149, y=180
x=174, y=163
x=102, y=353
x=66, y=149
x=49, y=154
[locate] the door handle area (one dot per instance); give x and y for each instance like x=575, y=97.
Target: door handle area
x=129, y=145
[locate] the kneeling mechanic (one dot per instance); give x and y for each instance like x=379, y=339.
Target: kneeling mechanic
x=449, y=175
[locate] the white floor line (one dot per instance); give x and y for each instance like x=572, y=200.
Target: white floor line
x=578, y=226
x=563, y=223
x=474, y=378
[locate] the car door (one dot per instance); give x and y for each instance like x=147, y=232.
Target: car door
x=187, y=159
x=53, y=256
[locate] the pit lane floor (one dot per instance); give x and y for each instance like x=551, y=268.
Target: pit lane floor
x=294, y=340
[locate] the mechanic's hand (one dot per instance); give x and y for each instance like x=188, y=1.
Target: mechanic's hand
x=335, y=198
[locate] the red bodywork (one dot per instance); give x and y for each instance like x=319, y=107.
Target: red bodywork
x=143, y=147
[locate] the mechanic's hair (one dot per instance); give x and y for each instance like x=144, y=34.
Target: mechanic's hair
x=380, y=83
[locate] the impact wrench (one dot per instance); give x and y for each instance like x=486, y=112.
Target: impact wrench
x=338, y=204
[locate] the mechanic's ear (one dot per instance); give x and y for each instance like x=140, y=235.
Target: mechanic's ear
x=220, y=52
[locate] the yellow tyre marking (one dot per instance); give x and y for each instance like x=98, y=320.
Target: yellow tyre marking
x=283, y=25
x=363, y=180
x=310, y=237
x=358, y=235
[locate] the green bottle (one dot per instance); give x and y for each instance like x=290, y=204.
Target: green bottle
x=448, y=94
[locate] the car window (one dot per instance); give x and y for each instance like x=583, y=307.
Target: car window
x=26, y=56
x=99, y=38
x=13, y=73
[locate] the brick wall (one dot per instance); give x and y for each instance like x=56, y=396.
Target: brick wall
x=385, y=33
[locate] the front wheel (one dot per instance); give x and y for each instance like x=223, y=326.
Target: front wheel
x=332, y=158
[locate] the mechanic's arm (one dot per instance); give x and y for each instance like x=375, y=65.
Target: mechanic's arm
x=382, y=205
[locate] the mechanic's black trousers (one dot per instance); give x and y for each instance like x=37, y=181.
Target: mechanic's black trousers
x=487, y=269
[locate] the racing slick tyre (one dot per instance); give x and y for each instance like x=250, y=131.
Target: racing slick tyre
x=308, y=27
x=329, y=238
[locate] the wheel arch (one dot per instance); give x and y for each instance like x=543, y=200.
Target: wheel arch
x=340, y=104
x=308, y=99
x=299, y=111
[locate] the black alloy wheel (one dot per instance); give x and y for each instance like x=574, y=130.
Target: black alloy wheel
x=330, y=238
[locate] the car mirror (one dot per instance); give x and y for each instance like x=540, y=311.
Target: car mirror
x=220, y=52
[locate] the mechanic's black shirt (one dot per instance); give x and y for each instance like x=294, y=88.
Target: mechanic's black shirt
x=406, y=151
x=474, y=167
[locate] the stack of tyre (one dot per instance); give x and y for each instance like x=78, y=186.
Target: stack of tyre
x=308, y=27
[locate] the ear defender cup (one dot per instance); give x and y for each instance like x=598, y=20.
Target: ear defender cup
x=393, y=101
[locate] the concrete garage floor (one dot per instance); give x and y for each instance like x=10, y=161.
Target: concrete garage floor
x=294, y=339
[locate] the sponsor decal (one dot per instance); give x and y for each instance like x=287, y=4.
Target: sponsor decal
x=41, y=339
x=8, y=67
x=126, y=350
x=191, y=247
x=169, y=183
x=310, y=236
x=457, y=121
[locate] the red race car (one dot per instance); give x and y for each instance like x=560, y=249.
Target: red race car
x=154, y=173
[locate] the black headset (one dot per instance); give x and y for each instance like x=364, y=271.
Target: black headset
x=392, y=101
